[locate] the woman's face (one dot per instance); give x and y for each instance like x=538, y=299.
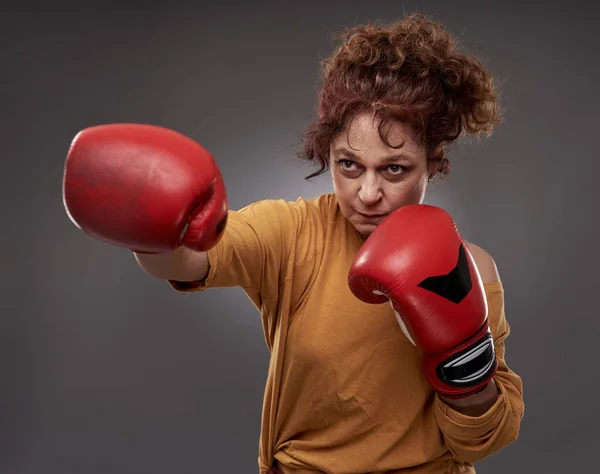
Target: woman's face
x=371, y=179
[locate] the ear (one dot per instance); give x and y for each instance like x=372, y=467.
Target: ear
x=433, y=168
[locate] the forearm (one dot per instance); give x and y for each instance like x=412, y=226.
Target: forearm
x=181, y=264
x=476, y=404
x=471, y=434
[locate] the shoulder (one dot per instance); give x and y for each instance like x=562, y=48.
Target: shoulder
x=322, y=203
x=317, y=211
x=293, y=217
x=485, y=264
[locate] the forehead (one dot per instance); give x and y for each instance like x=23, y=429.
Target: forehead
x=362, y=138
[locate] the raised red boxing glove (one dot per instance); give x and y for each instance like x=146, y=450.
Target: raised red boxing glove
x=144, y=187
x=418, y=261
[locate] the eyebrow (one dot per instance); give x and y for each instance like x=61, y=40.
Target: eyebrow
x=387, y=159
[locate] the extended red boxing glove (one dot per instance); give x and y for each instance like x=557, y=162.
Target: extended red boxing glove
x=418, y=261
x=144, y=187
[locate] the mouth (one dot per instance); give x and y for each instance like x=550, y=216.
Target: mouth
x=371, y=216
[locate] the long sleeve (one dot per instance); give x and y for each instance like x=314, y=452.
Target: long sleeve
x=471, y=439
x=259, y=251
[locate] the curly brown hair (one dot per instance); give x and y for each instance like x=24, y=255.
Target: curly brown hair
x=411, y=70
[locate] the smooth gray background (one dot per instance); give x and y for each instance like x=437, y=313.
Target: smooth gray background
x=105, y=370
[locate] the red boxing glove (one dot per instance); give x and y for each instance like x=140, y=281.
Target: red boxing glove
x=418, y=261
x=145, y=188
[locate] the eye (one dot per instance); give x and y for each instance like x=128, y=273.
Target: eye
x=349, y=167
x=396, y=170
x=346, y=165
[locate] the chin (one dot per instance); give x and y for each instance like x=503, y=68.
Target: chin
x=364, y=229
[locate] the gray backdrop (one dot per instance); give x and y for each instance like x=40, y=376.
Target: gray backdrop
x=106, y=370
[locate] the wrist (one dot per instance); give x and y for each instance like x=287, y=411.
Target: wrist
x=476, y=404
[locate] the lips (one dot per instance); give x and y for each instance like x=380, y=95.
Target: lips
x=371, y=216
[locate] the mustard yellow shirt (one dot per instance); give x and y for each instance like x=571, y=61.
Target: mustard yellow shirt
x=345, y=393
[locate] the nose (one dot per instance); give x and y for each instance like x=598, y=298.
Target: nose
x=369, y=192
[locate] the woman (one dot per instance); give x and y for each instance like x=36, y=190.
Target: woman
x=345, y=391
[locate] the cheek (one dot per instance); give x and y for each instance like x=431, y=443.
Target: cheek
x=338, y=183
x=408, y=192
x=414, y=192
x=344, y=190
